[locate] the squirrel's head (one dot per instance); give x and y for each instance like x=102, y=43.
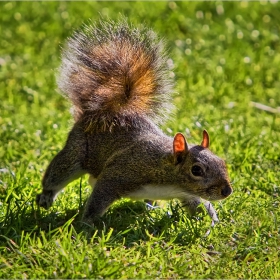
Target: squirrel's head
x=204, y=173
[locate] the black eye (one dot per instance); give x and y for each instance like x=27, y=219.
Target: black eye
x=197, y=171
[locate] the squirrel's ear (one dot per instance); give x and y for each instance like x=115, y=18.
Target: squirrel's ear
x=205, y=141
x=180, y=147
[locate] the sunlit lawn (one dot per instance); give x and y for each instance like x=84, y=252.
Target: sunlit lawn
x=226, y=58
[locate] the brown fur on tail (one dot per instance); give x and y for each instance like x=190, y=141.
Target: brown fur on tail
x=115, y=75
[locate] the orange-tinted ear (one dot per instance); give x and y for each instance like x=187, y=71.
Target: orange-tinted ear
x=180, y=147
x=206, y=141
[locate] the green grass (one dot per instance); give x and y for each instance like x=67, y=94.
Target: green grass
x=226, y=55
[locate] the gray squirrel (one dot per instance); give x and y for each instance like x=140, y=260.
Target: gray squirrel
x=117, y=78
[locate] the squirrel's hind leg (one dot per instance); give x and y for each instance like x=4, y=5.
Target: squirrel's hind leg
x=63, y=169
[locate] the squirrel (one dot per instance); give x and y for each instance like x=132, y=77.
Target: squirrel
x=118, y=80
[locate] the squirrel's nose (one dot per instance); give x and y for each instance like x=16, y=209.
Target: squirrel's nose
x=226, y=191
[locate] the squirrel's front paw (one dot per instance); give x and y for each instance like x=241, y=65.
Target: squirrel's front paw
x=192, y=207
x=45, y=199
x=92, y=222
x=211, y=211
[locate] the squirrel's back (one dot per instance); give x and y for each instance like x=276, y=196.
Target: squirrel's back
x=116, y=75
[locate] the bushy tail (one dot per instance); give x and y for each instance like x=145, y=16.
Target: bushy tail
x=115, y=74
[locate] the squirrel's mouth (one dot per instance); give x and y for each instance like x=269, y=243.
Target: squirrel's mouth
x=216, y=192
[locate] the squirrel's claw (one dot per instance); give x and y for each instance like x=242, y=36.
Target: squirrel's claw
x=211, y=212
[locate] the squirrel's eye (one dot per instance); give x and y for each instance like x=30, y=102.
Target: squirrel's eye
x=197, y=171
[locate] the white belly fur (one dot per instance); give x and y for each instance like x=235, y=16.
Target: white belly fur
x=92, y=181
x=155, y=192
x=152, y=192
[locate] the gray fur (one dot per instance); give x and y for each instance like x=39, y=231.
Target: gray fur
x=124, y=151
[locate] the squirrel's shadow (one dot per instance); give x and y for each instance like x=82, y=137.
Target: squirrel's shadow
x=134, y=221
x=131, y=222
